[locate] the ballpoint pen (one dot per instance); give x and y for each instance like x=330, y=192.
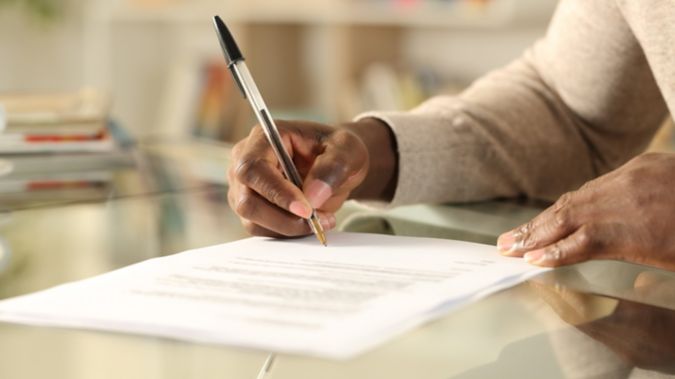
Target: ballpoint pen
x=244, y=80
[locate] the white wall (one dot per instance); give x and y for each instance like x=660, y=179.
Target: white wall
x=38, y=55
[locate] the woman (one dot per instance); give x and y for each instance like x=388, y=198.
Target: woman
x=581, y=102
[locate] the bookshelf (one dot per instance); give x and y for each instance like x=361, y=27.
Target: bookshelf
x=457, y=14
x=309, y=57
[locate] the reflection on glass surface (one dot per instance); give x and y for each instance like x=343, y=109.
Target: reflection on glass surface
x=639, y=336
x=48, y=180
x=52, y=245
x=4, y=255
x=555, y=326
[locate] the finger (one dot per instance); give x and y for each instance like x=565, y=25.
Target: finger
x=572, y=306
x=650, y=279
x=338, y=170
x=577, y=247
x=656, y=287
x=249, y=205
x=234, y=156
x=257, y=168
x=555, y=223
x=334, y=203
x=237, y=148
x=257, y=230
x=256, y=209
x=230, y=176
x=231, y=196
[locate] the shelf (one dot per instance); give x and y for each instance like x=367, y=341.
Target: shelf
x=496, y=14
x=332, y=41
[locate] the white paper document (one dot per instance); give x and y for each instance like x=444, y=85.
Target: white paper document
x=293, y=296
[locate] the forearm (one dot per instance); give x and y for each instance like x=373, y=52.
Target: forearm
x=504, y=137
x=578, y=104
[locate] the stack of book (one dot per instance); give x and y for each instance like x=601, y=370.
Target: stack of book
x=57, y=148
x=72, y=122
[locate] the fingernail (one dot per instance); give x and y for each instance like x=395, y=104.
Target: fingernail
x=509, y=244
x=506, y=241
x=300, y=209
x=328, y=222
x=534, y=257
x=317, y=193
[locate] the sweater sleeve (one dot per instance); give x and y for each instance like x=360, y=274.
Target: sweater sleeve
x=577, y=104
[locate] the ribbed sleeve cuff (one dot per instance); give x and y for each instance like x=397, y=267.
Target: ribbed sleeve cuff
x=411, y=141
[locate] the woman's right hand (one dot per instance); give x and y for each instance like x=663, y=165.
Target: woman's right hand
x=336, y=163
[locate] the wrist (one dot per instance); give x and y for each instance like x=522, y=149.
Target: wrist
x=380, y=182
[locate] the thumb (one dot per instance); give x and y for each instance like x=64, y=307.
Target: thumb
x=339, y=169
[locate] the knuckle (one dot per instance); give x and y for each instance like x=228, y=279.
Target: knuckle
x=247, y=170
x=647, y=157
x=237, y=148
x=584, y=239
x=282, y=125
x=257, y=138
x=557, y=253
x=527, y=237
x=344, y=137
x=562, y=219
x=581, y=246
x=564, y=201
x=634, y=178
x=589, y=240
x=634, y=189
x=246, y=206
x=273, y=194
x=521, y=231
x=587, y=186
x=256, y=131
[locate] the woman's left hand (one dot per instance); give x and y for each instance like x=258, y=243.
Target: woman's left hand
x=627, y=214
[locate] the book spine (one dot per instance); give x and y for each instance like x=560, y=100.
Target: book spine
x=64, y=138
x=51, y=138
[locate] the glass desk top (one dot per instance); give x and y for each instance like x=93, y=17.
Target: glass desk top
x=595, y=320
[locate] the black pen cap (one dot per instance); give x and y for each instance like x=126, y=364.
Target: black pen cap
x=230, y=48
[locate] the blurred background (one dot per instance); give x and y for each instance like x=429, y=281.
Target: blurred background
x=87, y=88
x=159, y=65
x=159, y=62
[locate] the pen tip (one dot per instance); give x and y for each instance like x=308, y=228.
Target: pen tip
x=318, y=230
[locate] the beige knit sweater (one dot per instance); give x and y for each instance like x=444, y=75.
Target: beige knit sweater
x=583, y=100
